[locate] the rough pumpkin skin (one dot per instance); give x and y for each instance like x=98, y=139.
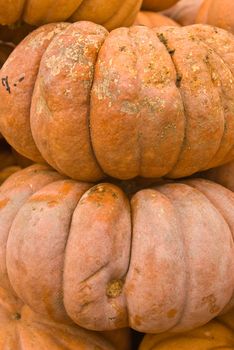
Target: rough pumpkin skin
x=224, y=175
x=111, y=13
x=217, y=334
x=218, y=13
x=22, y=329
x=152, y=19
x=85, y=252
x=157, y=5
x=128, y=103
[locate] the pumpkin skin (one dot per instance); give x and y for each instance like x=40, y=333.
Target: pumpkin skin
x=152, y=19
x=70, y=236
x=111, y=14
x=218, y=13
x=217, y=334
x=157, y=5
x=184, y=11
x=111, y=128
x=22, y=329
x=224, y=175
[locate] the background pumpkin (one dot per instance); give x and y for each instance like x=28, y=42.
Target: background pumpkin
x=152, y=19
x=218, y=13
x=224, y=175
x=22, y=329
x=184, y=11
x=157, y=5
x=46, y=232
x=218, y=334
x=123, y=118
x=111, y=14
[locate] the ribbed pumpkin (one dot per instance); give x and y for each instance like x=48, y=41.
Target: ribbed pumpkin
x=218, y=334
x=224, y=175
x=111, y=13
x=152, y=19
x=218, y=13
x=184, y=11
x=22, y=329
x=94, y=104
x=157, y=5
x=159, y=259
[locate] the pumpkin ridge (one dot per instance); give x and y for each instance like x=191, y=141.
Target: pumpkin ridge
x=223, y=92
x=163, y=40
x=185, y=255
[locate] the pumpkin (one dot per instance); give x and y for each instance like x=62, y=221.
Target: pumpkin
x=99, y=105
x=157, y=5
x=184, y=11
x=152, y=19
x=157, y=260
x=224, y=175
x=22, y=329
x=218, y=13
x=217, y=334
x=111, y=14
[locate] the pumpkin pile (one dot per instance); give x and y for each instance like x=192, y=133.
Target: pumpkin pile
x=116, y=175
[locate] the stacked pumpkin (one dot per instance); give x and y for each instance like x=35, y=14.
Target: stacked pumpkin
x=106, y=239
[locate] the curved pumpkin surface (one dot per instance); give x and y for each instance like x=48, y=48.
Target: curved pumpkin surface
x=157, y=5
x=93, y=103
x=157, y=260
x=217, y=334
x=224, y=175
x=22, y=329
x=152, y=19
x=184, y=11
x=218, y=13
x=111, y=14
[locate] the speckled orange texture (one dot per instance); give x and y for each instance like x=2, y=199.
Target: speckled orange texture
x=133, y=102
x=218, y=13
x=157, y=260
x=152, y=19
x=111, y=13
x=22, y=329
x=218, y=334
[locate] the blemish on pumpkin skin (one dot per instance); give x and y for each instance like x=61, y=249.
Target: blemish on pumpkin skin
x=114, y=288
x=53, y=199
x=171, y=313
x=137, y=320
x=210, y=300
x=4, y=202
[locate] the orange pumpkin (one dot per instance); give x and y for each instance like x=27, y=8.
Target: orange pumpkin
x=218, y=334
x=61, y=242
x=218, y=13
x=224, y=175
x=152, y=19
x=22, y=329
x=93, y=103
x=157, y=5
x=111, y=13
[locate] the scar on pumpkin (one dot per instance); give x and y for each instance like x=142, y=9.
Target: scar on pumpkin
x=5, y=83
